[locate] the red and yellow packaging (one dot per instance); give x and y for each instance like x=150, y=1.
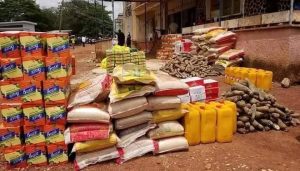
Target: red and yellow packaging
x=15, y=157
x=58, y=45
x=11, y=69
x=34, y=114
x=12, y=114
x=54, y=134
x=31, y=92
x=58, y=67
x=73, y=65
x=57, y=154
x=9, y=136
x=56, y=113
x=34, y=135
x=56, y=91
x=34, y=68
x=9, y=45
x=36, y=155
x=30, y=44
x=10, y=92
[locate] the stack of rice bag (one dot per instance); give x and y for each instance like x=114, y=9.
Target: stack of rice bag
x=216, y=44
x=35, y=69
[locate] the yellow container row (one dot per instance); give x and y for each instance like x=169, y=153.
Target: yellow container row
x=210, y=122
x=261, y=78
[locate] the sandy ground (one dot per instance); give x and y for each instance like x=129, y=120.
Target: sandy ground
x=265, y=151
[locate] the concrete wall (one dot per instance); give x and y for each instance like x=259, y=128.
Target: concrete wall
x=275, y=49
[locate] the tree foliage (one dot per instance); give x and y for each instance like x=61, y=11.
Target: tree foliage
x=80, y=16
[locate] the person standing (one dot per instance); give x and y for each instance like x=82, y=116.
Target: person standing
x=128, y=40
x=83, y=40
x=73, y=42
x=121, y=38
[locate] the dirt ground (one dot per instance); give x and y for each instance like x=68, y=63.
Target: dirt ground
x=264, y=151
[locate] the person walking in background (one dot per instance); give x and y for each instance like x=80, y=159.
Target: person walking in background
x=73, y=42
x=83, y=40
x=121, y=38
x=128, y=40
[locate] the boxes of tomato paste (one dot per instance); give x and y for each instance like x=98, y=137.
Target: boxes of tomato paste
x=9, y=136
x=31, y=92
x=15, y=157
x=30, y=43
x=54, y=134
x=56, y=113
x=56, y=91
x=9, y=45
x=34, y=135
x=58, y=45
x=36, y=155
x=11, y=69
x=12, y=114
x=57, y=154
x=34, y=68
x=34, y=114
x=10, y=92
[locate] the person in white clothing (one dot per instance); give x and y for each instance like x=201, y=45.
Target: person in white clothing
x=83, y=40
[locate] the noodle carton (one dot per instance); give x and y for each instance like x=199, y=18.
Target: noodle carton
x=56, y=91
x=9, y=45
x=11, y=69
x=56, y=113
x=12, y=114
x=34, y=135
x=34, y=68
x=31, y=92
x=15, y=157
x=36, y=155
x=9, y=136
x=34, y=114
x=54, y=134
x=10, y=92
x=58, y=45
x=58, y=67
x=30, y=43
x=57, y=154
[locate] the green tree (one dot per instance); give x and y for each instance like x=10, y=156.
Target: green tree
x=84, y=19
x=17, y=10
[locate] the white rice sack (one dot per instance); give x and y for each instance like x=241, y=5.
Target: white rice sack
x=166, y=129
x=83, y=160
x=172, y=144
x=128, y=136
x=134, y=120
x=127, y=107
x=87, y=114
x=139, y=148
x=162, y=102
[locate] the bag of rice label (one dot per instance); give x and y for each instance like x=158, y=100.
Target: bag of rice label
x=171, y=144
x=120, y=92
x=166, y=129
x=162, y=102
x=85, y=159
x=139, y=148
x=89, y=146
x=133, y=74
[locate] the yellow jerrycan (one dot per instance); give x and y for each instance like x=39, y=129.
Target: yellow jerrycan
x=224, y=131
x=268, y=80
x=244, y=73
x=252, y=76
x=233, y=107
x=208, y=124
x=191, y=125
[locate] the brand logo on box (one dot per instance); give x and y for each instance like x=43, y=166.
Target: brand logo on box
x=17, y=160
x=60, y=48
x=51, y=90
x=36, y=71
x=54, y=67
x=15, y=117
x=28, y=90
x=7, y=136
x=32, y=133
x=56, y=116
x=36, y=116
x=33, y=47
x=9, y=48
x=55, y=153
x=9, y=67
x=52, y=133
x=12, y=95
x=34, y=154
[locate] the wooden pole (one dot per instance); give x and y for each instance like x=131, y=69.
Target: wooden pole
x=60, y=15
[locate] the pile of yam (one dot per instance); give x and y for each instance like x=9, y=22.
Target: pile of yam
x=185, y=65
x=259, y=110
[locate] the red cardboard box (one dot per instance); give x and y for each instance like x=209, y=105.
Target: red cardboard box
x=31, y=92
x=57, y=154
x=36, y=155
x=34, y=68
x=11, y=69
x=9, y=45
x=34, y=114
x=12, y=114
x=210, y=91
x=56, y=91
x=54, y=134
x=34, y=135
x=10, y=92
x=212, y=96
x=58, y=67
x=56, y=113
x=9, y=136
x=31, y=44
x=210, y=83
x=193, y=81
x=15, y=157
